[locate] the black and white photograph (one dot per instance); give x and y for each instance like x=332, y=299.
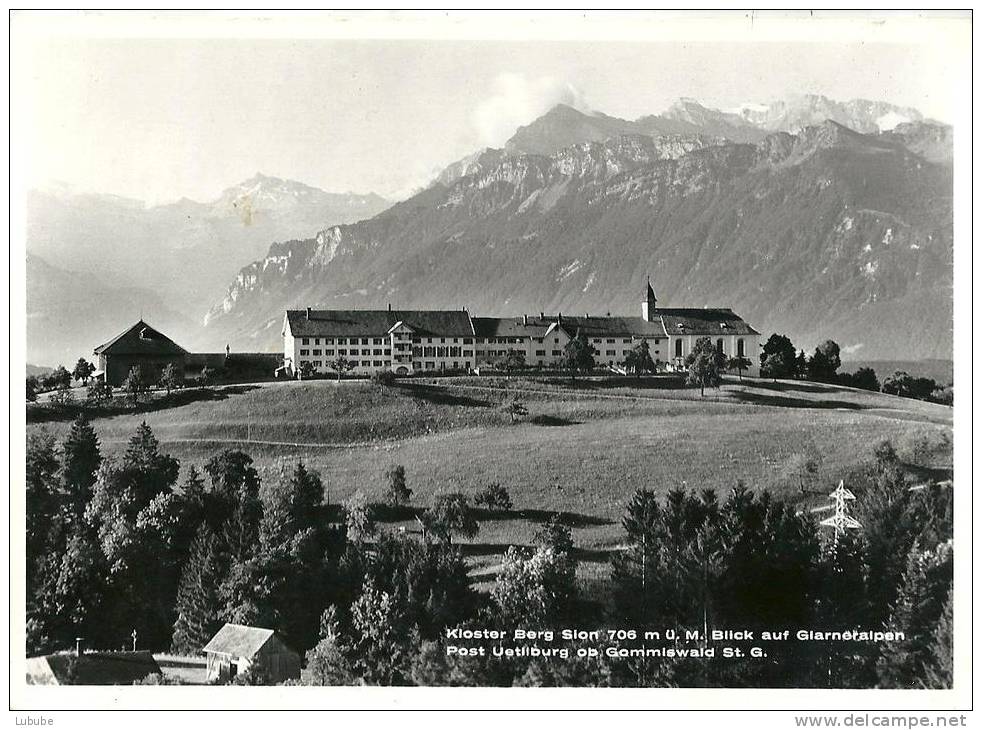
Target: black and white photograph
x=414, y=351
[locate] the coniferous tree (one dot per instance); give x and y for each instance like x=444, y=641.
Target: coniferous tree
x=939, y=668
x=396, y=490
x=80, y=460
x=197, y=600
x=919, y=607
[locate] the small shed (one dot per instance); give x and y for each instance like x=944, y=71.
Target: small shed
x=91, y=667
x=236, y=648
x=140, y=345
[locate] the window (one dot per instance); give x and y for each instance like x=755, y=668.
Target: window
x=454, y=351
x=540, y=353
x=366, y=363
x=719, y=345
x=455, y=340
x=678, y=348
x=341, y=341
x=597, y=340
x=430, y=365
x=377, y=341
x=342, y=352
x=556, y=340
x=740, y=349
x=468, y=353
x=453, y=365
x=610, y=342
x=467, y=341
x=304, y=341
x=304, y=352
x=329, y=353
x=317, y=340
x=316, y=352
x=557, y=353
x=328, y=340
x=388, y=351
x=377, y=363
x=377, y=351
x=627, y=341
x=316, y=364
x=364, y=340
x=443, y=340
x=611, y=353
x=441, y=352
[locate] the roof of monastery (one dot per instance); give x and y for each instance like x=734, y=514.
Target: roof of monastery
x=377, y=322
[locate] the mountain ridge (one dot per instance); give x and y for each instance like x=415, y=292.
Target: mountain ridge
x=586, y=223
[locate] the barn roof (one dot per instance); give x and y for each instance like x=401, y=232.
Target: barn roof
x=377, y=322
x=100, y=667
x=141, y=339
x=238, y=640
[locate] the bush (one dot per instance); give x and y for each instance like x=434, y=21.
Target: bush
x=383, y=379
x=63, y=397
x=494, y=497
x=100, y=392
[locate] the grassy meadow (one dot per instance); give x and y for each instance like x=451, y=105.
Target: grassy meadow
x=583, y=449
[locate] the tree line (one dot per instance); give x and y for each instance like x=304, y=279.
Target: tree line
x=126, y=542
x=780, y=359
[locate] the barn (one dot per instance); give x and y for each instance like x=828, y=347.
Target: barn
x=140, y=345
x=236, y=648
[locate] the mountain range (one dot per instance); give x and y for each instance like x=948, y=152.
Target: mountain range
x=827, y=232
x=179, y=256
x=807, y=216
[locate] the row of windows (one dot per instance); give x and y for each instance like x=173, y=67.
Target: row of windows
x=342, y=340
x=318, y=364
x=354, y=353
x=443, y=340
x=451, y=351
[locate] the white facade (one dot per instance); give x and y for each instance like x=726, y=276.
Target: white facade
x=413, y=342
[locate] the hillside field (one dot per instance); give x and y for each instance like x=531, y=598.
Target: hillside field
x=583, y=450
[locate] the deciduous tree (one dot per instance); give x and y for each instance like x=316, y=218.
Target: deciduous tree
x=705, y=364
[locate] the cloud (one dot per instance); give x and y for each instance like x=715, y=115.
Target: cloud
x=517, y=99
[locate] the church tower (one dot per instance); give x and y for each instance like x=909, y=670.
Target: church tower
x=648, y=304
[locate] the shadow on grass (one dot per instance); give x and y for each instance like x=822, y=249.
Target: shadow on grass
x=570, y=519
x=800, y=386
x=647, y=382
x=120, y=406
x=763, y=399
x=441, y=397
x=552, y=421
x=382, y=512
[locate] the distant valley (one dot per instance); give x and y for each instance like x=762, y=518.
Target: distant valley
x=807, y=216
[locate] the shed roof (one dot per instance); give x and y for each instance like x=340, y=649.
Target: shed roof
x=141, y=339
x=99, y=667
x=238, y=640
x=377, y=322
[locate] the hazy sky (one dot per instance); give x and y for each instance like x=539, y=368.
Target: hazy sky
x=159, y=119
